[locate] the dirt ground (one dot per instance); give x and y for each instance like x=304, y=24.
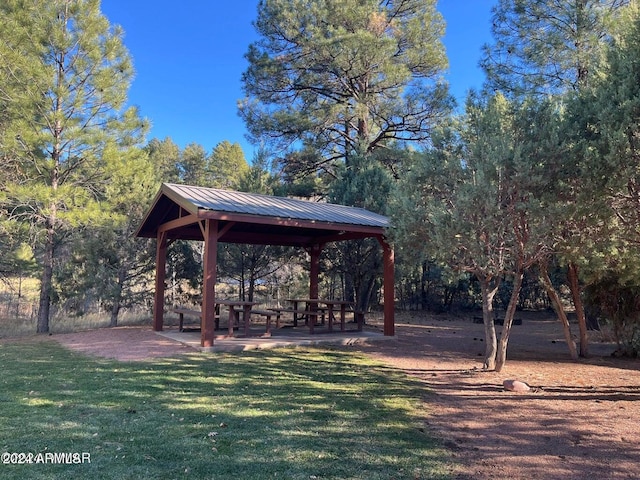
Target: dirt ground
x=580, y=421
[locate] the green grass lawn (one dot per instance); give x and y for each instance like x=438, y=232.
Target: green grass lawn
x=286, y=414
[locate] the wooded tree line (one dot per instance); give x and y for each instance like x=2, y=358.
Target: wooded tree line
x=537, y=172
x=535, y=178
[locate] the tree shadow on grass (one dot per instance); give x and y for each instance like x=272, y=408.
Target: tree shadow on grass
x=265, y=414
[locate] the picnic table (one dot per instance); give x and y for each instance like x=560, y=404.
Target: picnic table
x=308, y=308
x=332, y=304
x=235, y=307
x=315, y=307
x=182, y=311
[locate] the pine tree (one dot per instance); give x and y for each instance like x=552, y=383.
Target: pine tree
x=226, y=165
x=339, y=76
x=547, y=48
x=72, y=115
x=165, y=156
x=605, y=118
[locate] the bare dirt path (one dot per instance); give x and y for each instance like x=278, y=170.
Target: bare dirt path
x=126, y=344
x=581, y=421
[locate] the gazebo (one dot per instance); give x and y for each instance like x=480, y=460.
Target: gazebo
x=212, y=215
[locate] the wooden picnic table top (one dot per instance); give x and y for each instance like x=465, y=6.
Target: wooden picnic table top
x=236, y=303
x=183, y=310
x=319, y=300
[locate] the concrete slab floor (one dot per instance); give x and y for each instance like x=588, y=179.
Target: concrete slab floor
x=284, y=337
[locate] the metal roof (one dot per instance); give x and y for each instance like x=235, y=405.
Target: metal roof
x=270, y=206
x=258, y=218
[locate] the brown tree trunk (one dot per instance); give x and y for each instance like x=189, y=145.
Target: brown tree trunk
x=557, y=306
x=252, y=286
x=501, y=356
x=574, y=285
x=488, y=293
x=117, y=300
x=115, y=310
x=424, y=286
x=46, y=284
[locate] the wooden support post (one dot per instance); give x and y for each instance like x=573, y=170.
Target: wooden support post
x=161, y=264
x=389, y=288
x=314, y=274
x=207, y=330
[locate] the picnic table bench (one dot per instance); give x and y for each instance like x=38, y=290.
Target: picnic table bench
x=182, y=311
x=267, y=314
x=311, y=313
x=233, y=317
x=323, y=309
x=298, y=313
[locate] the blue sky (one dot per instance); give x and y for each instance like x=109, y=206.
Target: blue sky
x=189, y=58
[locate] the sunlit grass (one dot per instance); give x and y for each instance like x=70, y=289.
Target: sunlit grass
x=294, y=414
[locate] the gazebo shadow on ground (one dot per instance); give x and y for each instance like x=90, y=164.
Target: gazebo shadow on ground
x=283, y=337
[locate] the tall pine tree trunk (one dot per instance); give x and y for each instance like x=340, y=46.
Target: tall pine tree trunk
x=424, y=288
x=574, y=285
x=501, y=357
x=117, y=298
x=252, y=286
x=557, y=307
x=115, y=311
x=46, y=283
